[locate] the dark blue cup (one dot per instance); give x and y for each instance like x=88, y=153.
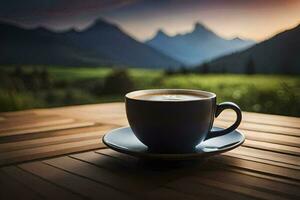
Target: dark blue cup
x=176, y=126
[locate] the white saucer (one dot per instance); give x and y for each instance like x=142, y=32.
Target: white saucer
x=123, y=140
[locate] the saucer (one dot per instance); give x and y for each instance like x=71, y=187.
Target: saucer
x=123, y=140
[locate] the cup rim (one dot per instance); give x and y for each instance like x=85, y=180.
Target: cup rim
x=133, y=94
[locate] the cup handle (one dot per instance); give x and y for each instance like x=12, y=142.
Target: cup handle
x=219, y=109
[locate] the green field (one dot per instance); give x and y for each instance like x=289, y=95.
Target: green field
x=58, y=86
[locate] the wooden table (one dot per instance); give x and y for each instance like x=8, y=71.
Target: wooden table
x=58, y=154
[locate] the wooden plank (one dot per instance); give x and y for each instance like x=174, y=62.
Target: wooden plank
x=52, y=133
x=31, y=144
x=252, y=182
x=30, y=125
x=261, y=128
x=133, y=167
x=256, y=118
x=21, y=121
x=106, y=162
x=112, y=153
x=88, y=157
x=263, y=117
x=156, y=173
x=187, y=172
x=11, y=189
x=47, y=128
x=186, y=186
x=259, y=167
x=224, y=189
x=79, y=185
x=266, y=155
x=272, y=147
x=242, y=163
x=259, y=160
x=123, y=183
x=172, y=169
x=105, y=117
x=28, y=119
x=257, y=173
x=272, y=138
x=269, y=122
x=48, y=151
x=167, y=194
x=38, y=185
x=77, y=136
x=18, y=113
x=112, y=108
x=287, y=182
x=108, y=114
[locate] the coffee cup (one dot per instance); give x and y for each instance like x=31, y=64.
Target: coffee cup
x=175, y=120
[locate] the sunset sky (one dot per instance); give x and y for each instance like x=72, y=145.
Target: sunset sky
x=253, y=19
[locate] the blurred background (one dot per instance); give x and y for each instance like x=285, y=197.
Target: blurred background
x=68, y=52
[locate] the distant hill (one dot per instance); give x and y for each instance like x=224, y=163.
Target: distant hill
x=279, y=54
x=197, y=46
x=100, y=44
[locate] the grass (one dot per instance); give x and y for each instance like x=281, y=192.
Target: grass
x=276, y=94
x=258, y=93
x=73, y=74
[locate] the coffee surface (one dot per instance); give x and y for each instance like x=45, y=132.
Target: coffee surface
x=170, y=97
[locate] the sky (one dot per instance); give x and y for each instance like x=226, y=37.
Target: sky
x=249, y=19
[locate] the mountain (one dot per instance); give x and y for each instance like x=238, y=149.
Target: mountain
x=197, y=46
x=100, y=44
x=279, y=54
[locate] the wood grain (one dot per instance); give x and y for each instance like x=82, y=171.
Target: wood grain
x=78, y=185
x=49, y=151
x=38, y=124
x=38, y=185
x=95, y=133
x=259, y=167
x=47, y=128
x=58, y=154
x=11, y=189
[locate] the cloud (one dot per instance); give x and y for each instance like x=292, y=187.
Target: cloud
x=141, y=18
x=51, y=12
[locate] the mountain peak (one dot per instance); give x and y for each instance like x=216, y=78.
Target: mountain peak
x=161, y=33
x=99, y=24
x=237, y=39
x=199, y=27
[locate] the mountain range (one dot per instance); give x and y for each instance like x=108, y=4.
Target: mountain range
x=277, y=55
x=197, y=46
x=105, y=44
x=101, y=44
